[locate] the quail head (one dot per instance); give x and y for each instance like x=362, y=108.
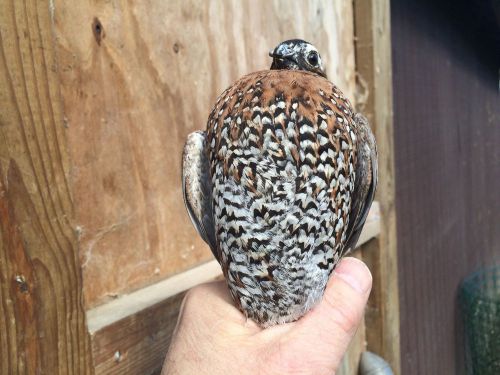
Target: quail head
x=280, y=183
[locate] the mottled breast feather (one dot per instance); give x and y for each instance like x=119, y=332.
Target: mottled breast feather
x=282, y=151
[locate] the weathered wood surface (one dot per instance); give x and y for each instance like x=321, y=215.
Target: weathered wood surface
x=373, y=65
x=138, y=343
x=137, y=77
x=42, y=322
x=131, y=334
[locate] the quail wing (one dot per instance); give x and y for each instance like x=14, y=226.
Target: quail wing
x=365, y=181
x=197, y=187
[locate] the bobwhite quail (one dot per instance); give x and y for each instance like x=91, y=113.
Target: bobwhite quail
x=280, y=183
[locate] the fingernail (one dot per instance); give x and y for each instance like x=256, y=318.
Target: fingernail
x=355, y=273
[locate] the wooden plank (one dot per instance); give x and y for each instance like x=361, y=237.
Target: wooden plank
x=373, y=65
x=111, y=312
x=42, y=322
x=137, y=77
x=136, y=344
x=131, y=334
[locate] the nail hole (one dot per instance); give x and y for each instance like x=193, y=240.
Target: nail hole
x=176, y=47
x=98, y=30
x=22, y=284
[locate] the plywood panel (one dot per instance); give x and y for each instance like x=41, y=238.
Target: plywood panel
x=42, y=322
x=137, y=77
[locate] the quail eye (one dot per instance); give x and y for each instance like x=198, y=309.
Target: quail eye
x=313, y=58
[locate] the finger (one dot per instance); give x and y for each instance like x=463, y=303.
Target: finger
x=203, y=308
x=212, y=303
x=334, y=321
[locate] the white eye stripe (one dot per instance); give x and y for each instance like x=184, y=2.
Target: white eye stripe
x=310, y=48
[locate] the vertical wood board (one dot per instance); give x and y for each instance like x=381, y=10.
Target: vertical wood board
x=373, y=65
x=42, y=322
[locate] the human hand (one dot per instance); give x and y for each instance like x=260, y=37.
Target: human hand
x=213, y=337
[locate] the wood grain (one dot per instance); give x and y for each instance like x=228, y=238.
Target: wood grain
x=42, y=322
x=138, y=343
x=373, y=65
x=137, y=77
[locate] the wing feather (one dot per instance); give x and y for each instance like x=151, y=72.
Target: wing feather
x=197, y=187
x=365, y=183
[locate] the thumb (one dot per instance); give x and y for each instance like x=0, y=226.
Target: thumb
x=335, y=320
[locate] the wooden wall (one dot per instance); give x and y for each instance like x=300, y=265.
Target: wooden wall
x=96, y=100
x=447, y=137
x=136, y=78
